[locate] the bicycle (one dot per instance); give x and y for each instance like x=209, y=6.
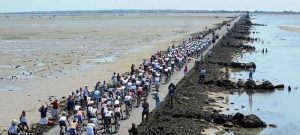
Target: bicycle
x=127, y=103
x=107, y=125
x=117, y=124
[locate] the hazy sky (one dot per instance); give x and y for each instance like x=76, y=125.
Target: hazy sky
x=51, y=5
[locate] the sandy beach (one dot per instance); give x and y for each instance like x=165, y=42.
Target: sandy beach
x=60, y=54
x=289, y=28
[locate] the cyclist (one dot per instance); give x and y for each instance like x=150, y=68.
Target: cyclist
x=107, y=119
x=127, y=101
x=73, y=127
x=139, y=95
x=62, y=123
x=91, y=128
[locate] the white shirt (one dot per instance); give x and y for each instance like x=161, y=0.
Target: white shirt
x=108, y=113
x=127, y=98
x=156, y=79
x=24, y=119
x=63, y=118
x=77, y=107
x=13, y=129
x=117, y=102
x=90, y=129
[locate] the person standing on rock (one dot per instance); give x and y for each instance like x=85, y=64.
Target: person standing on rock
x=145, y=112
x=251, y=73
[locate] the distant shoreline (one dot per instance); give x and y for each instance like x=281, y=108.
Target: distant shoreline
x=142, y=11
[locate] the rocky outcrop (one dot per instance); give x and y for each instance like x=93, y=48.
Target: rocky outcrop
x=236, y=64
x=248, y=121
x=249, y=84
x=279, y=86
x=265, y=85
x=243, y=65
x=251, y=121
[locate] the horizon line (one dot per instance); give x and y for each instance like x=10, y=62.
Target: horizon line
x=149, y=11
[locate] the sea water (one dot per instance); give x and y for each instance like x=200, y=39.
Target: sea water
x=280, y=65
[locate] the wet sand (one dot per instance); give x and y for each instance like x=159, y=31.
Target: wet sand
x=32, y=91
x=291, y=29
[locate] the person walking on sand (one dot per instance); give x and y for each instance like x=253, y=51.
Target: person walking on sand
x=250, y=73
x=23, y=122
x=145, y=112
x=13, y=129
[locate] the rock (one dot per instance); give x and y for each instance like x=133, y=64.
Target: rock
x=251, y=121
x=220, y=97
x=279, y=86
x=250, y=84
x=18, y=66
x=219, y=119
x=209, y=82
x=240, y=84
x=185, y=98
x=265, y=85
x=211, y=100
x=238, y=116
x=228, y=124
x=272, y=125
x=226, y=83
x=242, y=65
